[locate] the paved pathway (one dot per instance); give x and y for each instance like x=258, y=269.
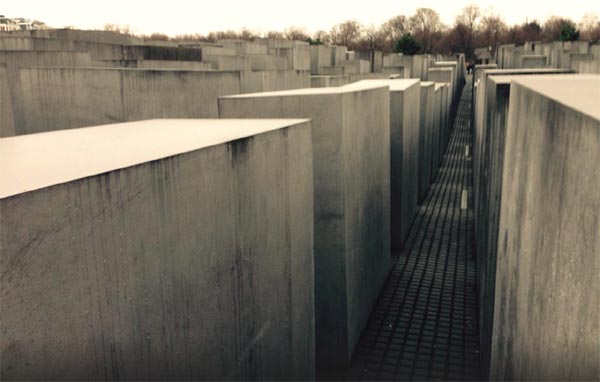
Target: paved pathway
x=424, y=326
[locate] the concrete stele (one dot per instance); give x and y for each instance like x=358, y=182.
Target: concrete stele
x=351, y=140
x=549, y=233
x=172, y=259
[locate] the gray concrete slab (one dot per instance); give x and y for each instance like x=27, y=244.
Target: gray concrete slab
x=547, y=294
x=93, y=96
x=426, y=126
x=437, y=127
x=351, y=140
x=405, y=141
x=189, y=256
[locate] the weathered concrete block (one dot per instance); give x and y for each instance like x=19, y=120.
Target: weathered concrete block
x=438, y=121
x=445, y=128
x=320, y=56
x=547, y=291
x=405, y=138
x=189, y=256
x=91, y=96
x=327, y=81
x=426, y=126
x=530, y=61
x=351, y=140
x=7, y=128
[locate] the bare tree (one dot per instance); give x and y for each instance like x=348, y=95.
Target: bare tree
x=119, y=28
x=275, y=35
x=347, y=33
x=590, y=27
x=295, y=33
x=492, y=29
x=423, y=25
x=553, y=27
x=391, y=31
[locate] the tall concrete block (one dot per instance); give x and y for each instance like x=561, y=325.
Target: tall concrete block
x=351, y=140
x=426, y=125
x=189, y=256
x=482, y=127
x=445, y=128
x=444, y=75
x=320, y=56
x=405, y=140
x=547, y=291
x=438, y=121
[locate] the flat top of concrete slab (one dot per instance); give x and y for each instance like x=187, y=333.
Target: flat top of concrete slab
x=579, y=92
x=495, y=72
x=427, y=83
x=308, y=91
x=499, y=80
x=35, y=161
x=446, y=62
x=439, y=85
x=394, y=84
x=440, y=69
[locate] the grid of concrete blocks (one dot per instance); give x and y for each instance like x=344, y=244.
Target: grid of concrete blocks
x=179, y=210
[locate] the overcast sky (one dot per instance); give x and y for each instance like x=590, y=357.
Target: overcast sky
x=185, y=16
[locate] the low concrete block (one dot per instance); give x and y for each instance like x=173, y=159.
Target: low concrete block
x=327, y=81
x=189, y=256
x=530, y=61
x=351, y=140
x=92, y=96
x=547, y=291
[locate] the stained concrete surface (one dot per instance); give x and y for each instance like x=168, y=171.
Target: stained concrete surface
x=92, y=96
x=426, y=126
x=187, y=257
x=547, y=291
x=405, y=137
x=351, y=140
x=488, y=156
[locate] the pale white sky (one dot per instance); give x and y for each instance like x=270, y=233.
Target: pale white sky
x=185, y=16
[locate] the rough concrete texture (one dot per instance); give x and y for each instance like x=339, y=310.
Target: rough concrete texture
x=7, y=128
x=405, y=137
x=328, y=81
x=99, y=96
x=529, y=61
x=268, y=62
x=483, y=126
x=320, y=56
x=445, y=127
x=438, y=121
x=13, y=60
x=273, y=80
x=444, y=75
x=224, y=62
x=351, y=140
x=187, y=257
x=298, y=57
x=426, y=125
x=547, y=304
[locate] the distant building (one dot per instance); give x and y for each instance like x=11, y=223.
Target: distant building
x=8, y=25
x=19, y=24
